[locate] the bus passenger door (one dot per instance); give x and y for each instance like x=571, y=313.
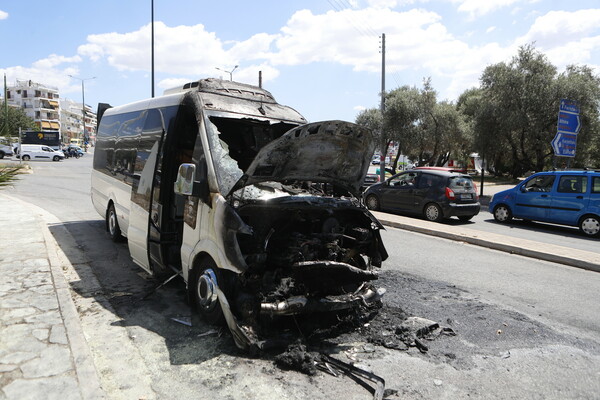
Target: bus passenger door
x=147, y=157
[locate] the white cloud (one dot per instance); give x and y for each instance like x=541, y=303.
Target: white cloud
x=392, y=3
x=490, y=29
x=255, y=48
x=477, y=8
x=53, y=77
x=185, y=50
x=382, y=3
x=53, y=60
x=340, y=37
x=560, y=27
x=3, y=14
x=173, y=82
x=566, y=37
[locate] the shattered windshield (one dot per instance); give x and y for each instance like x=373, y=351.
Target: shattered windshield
x=235, y=141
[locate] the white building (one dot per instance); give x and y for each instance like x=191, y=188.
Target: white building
x=39, y=101
x=71, y=122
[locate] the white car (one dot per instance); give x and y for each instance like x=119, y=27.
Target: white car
x=39, y=152
x=5, y=151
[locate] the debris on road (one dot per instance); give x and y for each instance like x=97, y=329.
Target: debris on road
x=183, y=320
x=297, y=357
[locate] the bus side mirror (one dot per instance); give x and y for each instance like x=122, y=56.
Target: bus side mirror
x=187, y=185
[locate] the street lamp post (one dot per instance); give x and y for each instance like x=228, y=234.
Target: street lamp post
x=83, y=106
x=229, y=72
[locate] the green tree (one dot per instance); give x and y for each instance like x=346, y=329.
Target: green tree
x=513, y=115
x=426, y=129
x=16, y=119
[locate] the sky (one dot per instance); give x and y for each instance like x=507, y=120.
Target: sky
x=321, y=57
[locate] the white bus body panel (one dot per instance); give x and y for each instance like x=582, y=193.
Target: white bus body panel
x=106, y=189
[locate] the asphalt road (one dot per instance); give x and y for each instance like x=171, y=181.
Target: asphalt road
x=524, y=328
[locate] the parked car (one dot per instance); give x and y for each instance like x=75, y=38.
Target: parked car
x=39, y=152
x=434, y=194
x=370, y=179
x=5, y=151
x=559, y=197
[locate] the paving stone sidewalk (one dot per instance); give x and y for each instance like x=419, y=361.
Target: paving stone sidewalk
x=43, y=354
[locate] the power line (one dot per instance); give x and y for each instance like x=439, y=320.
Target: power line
x=337, y=5
x=368, y=27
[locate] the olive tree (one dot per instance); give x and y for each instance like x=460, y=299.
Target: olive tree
x=513, y=113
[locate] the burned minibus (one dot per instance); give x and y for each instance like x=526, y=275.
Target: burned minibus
x=258, y=210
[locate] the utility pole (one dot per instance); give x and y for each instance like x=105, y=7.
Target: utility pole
x=5, y=124
x=152, y=44
x=382, y=109
x=83, y=107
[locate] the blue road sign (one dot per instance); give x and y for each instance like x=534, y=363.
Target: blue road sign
x=569, y=106
x=568, y=122
x=564, y=144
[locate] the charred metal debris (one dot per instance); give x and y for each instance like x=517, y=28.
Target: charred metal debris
x=297, y=357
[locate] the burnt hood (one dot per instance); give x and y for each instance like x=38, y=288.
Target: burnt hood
x=335, y=152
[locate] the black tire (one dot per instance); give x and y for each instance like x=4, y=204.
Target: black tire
x=433, y=212
x=1, y=155
x=502, y=213
x=203, y=292
x=465, y=218
x=589, y=225
x=372, y=202
x=25, y=158
x=55, y=158
x=112, y=224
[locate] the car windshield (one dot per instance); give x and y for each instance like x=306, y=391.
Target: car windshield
x=460, y=182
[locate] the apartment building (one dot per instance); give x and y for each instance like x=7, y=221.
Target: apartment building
x=40, y=102
x=71, y=121
x=43, y=104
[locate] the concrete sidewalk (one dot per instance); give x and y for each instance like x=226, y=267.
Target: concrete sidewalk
x=43, y=352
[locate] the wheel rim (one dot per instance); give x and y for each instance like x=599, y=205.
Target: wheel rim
x=206, y=290
x=112, y=222
x=372, y=202
x=501, y=214
x=590, y=226
x=432, y=213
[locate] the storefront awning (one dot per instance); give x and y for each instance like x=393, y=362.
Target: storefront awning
x=46, y=125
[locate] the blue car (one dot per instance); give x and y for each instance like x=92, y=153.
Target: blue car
x=558, y=197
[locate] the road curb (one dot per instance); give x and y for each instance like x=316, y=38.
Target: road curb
x=497, y=245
